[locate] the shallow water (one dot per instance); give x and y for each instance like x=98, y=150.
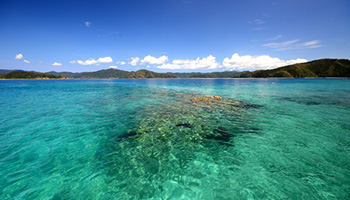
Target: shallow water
x=145, y=139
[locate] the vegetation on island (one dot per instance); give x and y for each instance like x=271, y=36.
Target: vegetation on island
x=147, y=74
x=4, y=71
x=114, y=73
x=105, y=73
x=316, y=68
x=226, y=74
x=28, y=75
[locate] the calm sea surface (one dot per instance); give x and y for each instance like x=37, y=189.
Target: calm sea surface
x=145, y=139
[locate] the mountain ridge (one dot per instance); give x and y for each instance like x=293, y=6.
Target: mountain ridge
x=314, y=69
x=28, y=75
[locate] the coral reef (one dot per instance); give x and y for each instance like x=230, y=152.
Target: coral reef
x=169, y=137
x=189, y=119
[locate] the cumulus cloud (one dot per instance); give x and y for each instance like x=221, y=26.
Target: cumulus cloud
x=92, y=61
x=105, y=60
x=153, y=60
x=19, y=56
x=121, y=62
x=204, y=63
x=56, y=64
x=26, y=61
x=134, y=61
x=113, y=66
x=294, y=44
x=87, y=24
x=248, y=62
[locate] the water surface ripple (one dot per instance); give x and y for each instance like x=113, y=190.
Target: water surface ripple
x=145, y=139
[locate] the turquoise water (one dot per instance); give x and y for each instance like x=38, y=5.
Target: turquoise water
x=145, y=139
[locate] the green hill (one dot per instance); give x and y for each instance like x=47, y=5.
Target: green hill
x=113, y=73
x=226, y=74
x=316, y=68
x=28, y=75
x=147, y=74
x=5, y=71
x=105, y=73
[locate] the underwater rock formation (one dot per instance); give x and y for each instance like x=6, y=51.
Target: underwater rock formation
x=172, y=137
x=217, y=98
x=194, y=119
x=301, y=100
x=195, y=100
x=207, y=99
x=187, y=125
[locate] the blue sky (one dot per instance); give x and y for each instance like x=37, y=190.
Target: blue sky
x=171, y=35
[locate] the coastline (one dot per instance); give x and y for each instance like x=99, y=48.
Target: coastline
x=342, y=78
x=33, y=78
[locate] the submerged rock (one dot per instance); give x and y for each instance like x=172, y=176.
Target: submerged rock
x=127, y=135
x=172, y=137
x=207, y=99
x=221, y=134
x=184, y=125
x=209, y=118
x=195, y=100
x=302, y=100
x=217, y=98
x=244, y=105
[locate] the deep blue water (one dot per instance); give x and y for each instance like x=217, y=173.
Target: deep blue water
x=146, y=139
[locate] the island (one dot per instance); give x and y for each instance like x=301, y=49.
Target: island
x=318, y=68
x=321, y=68
x=28, y=75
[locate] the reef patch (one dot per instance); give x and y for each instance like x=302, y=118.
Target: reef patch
x=191, y=118
x=301, y=101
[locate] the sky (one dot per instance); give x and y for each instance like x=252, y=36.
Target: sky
x=170, y=35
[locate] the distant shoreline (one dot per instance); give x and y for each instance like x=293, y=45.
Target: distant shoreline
x=342, y=78
x=33, y=78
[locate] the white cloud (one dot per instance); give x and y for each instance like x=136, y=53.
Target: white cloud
x=72, y=62
x=204, y=63
x=134, y=61
x=261, y=28
x=19, y=56
x=87, y=24
x=248, y=62
x=148, y=66
x=282, y=45
x=92, y=61
x=259, y=21
x=277, y=37
x=57, y=64
x=311, y=44
x=113, y=66
x=121, y=62
x=26, y=61
x=294, y=44
x=105, y=60
x=153, y=60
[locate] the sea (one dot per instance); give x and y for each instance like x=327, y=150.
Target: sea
x=147, y=139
